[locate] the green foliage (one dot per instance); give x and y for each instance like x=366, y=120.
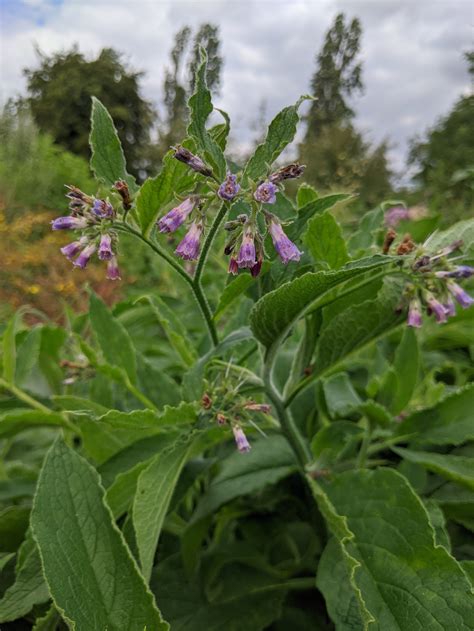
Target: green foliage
x=349, y=501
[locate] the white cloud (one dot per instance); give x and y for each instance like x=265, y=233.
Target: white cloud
x=413, y=66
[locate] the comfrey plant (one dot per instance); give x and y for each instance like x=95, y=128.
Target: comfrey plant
x=286, y=445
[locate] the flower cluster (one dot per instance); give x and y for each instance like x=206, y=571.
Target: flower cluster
x=234, y=412
x=245, y=245
x=435, y=287
x=94, y=218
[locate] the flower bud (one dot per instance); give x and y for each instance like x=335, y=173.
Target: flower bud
x=289, y=172
x=194, y=162
x=173, y=220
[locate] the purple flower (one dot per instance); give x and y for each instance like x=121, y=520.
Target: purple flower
x=437, y=308
x=102, y=208
x=194, y=162
x=394, y=215
x=69, y=223
x=72, y=249
x=113, y=272
x=463, y=298
x=449, y=306
x=289, y=172
x=105, y=248
x=255, y=269
x=414, y=313
x=266, y=193
x=233, y=266
x=188, y=249
x=172, y=220
x=460, y=271
x=247, y=256
x=85, y=255
x=229, y=187
x=286, y=249
x=241, y=441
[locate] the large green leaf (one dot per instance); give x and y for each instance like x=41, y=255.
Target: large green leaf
x=108, y=160
x=457, y=468
x=357, y=326
x=407, y=582
x=29, y=588
x=269, y=460
x=90, y=572
x=314, y=206
x=155, y=487
x=156, y=193
x=16, y=421
x=114, y=341
x=449, y=422
x=275, y=313
x=28, y=354
x=323, y=238
x=463, y=230
x=406, y=365
x=200, y=105
x=280, y=133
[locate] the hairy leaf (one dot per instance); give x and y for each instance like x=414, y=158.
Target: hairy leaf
x=323, y=237
x=457, y=468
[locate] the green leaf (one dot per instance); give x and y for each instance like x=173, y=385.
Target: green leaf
x=463, y=230
x=12, y=423
x=363, y=239
x=28, y=354
x=323, y=238
x=13, y=526
x=236, y=288
x=457, y=503
x=269, y=460
x=200, y=105
x=274, y=314
x=358, y=326
x=406, y=365
x=449, y=422
x=108, y=160
x=48, y=622
x=306, y=194
x=312, y=208
x=113, y=338
x=457, y=468
x=174, y=330
x=72, y=403
x=91, y=574
x=280, y=133
x=332, y=442
x=156, y=193
x=220, y=133
x=407, y=582
x=9, y=347
x=29, y=588
x=155, y=487
x=438, y=522
x=341, y=398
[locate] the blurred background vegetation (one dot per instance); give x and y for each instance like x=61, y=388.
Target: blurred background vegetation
x=44, y=145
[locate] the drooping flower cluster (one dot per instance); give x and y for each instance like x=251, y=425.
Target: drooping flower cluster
x=246, y=243
x=94, y=218
x=435, y=287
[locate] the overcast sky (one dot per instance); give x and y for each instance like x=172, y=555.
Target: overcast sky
x=412, y=52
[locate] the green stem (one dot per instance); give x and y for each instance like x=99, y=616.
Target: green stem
x=288, y=427
x=196, y=289
x=140, y=396
x=24, y=397
x=208, y=241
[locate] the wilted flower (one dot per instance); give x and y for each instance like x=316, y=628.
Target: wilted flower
x=172, y=220
x=241, y=441
x=69, y=223
x=75, y=194
x=194, y=162
x=463, y=298
x=113, y=272
x=287, y=173
x=102, y=208
x=286, y=249
x=105, y=248
x=414, y=313
x=72, y=249
x=229, y=187
x=266, y=193
x=258, y=407
x=221, y=419
x=233, y=266
x=460, y=271
x=188, y=249
x=247, y=256
x=436, y=307
x=122, y=189
x=85, y=256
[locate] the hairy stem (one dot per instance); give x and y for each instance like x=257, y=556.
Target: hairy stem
x=195, y=288
x=23, y=396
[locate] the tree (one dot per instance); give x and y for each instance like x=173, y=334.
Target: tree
x=60, y=91
x=444, y=159
x=336, y=154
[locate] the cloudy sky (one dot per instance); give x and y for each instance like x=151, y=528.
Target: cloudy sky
x=412, y=52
